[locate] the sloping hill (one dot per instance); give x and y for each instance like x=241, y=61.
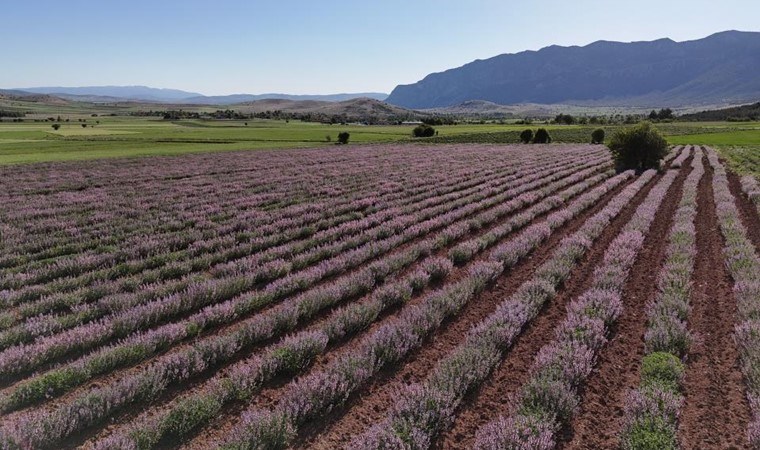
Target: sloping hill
x=355, y=107
x=721, y=68
x=738, y=113
x=241, y=98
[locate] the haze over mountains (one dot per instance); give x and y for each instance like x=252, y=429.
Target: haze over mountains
x=721, y=68
x=149, y=94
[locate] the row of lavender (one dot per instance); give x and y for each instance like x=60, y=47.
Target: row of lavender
x=266, y=254
x=548, y=400
x=210, y=352
x=190, y=411
x=652, y=409
x=322, y=391
x=250, y=224
x=267, y=262
x=205, y=353
x=50, y=383
x=751, y=188
x=257, y=245
x=428, y=408
x=743, y=264
x=232, y=292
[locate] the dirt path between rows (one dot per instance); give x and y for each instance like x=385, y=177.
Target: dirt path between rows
x=599, y=419
x=716, y=413
x=374, y=401
x=747, y=210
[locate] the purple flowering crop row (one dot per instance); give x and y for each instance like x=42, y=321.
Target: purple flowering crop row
x=274, y=225
x=652, y=409
x=550, y=396
x=428, y=408
x=200, y=356
x=744, y=266
x=26, y=357
x=268, y=266
x=175, y=266
x=319, y=392
x=751, y=189
x=153, y=341
x=343, y=322
x=683, y=155
x=272, y=232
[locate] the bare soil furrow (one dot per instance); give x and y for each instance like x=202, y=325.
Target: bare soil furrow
x=599, y=419
x=715, y=413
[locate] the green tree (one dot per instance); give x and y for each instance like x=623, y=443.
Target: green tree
x=343, y=137
x=665, y=114
x=542, y=136
x=639, y=148
x=597, y=137
x=56, y=126
x=423, y=130
x=566, y=119
x=526, y=136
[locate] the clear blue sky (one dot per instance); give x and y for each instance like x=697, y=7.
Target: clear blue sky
x=234, y=46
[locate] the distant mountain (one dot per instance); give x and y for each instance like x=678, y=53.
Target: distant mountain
x=240, y=98
x=354, y=108
x=719, y=69
x=149, y=94
x=13, y=94
x=122, y=92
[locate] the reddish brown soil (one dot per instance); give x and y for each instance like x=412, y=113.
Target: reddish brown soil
x=269, y=396
x=493, y=398
x=715, y=414
x=129, y=413
x=373, y=402
x=748, y=211
x=599, y=419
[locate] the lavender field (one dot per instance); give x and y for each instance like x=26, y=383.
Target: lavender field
x=382, y=296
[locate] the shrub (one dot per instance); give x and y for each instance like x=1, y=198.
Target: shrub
x=526, y=136
x=662, y=370
x=343, y=137
x=542, y=137
x=423, y=131
x=638, y=148
x=56, y=126
x=597, y=137
x=650, y=434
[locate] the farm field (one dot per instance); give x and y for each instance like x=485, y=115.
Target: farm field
x=123, y=136
x=454, y=296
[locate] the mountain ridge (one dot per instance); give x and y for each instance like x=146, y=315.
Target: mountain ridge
x=720, y=68
x=165, y=95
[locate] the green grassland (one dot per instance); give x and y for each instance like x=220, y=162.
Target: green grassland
x=127, y=136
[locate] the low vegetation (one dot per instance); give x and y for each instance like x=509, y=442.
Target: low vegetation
x=423, y=130
x=542, y=136
x=639, y=148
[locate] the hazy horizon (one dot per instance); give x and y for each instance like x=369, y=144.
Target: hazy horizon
x=233, y=47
